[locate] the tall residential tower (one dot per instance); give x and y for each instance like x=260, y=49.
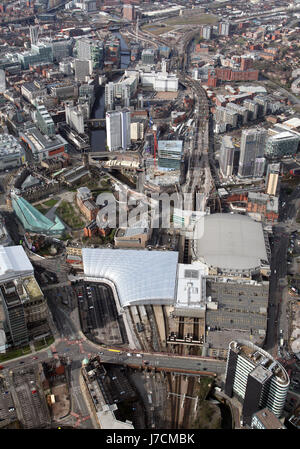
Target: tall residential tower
x=118, y=129
x=256, y=379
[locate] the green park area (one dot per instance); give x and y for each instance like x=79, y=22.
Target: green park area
x=67, y=213
x=157, y=29
x=13, y=353
x=46, y=205
x=199, y=19
x=44, y=343
x=169, y=24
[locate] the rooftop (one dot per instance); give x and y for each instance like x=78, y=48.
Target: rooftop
x=229, y=242
x=268, y=419
x=170, y=145
x=140, y=277
x=33, y=220
x=191, y=285
x=38, y=142
x=262, y=361
x=283, y=135
x=14, y=262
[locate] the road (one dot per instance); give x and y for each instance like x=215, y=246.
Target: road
x=278, y=286
x=73, y=346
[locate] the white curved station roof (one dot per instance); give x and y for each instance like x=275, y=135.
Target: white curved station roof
x=140, y=277
x=230, y=242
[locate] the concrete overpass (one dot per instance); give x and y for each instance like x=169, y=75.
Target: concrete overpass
x=111, y=154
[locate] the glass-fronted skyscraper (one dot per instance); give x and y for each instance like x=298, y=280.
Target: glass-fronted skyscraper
x=90, y=50
x=252, y=147
x=282, y=144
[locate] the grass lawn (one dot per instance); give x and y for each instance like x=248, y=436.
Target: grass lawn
x=201, y=19
x=67, y=213
x=44, y=207
x=50, y=203
x=41, y=209
x=41, y=343
x=13, y=353
x=157, y=29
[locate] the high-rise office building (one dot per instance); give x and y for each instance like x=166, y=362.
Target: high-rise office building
x=109, y=96
x=14, y=313
x=206, y=32
x=282, y=144
x=83, y=69
x=24, y=306
x=226, y=156
x=272, y=178
x=44, y=120
x=224, y=28
x=256, y=379
x=128, y=12
x=2, y=81
x=118, y=129
x=148, y=56
x=259, y=167
x=61, y=49
x=90, y=50
x=75, y=116
x=252, y=147
x=137, y=130
x=252, y=107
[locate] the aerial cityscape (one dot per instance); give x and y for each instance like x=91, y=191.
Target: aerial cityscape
x=149, y=215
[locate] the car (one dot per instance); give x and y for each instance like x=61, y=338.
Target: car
x=146, y=362
x=35, y=358
x=128, y=354
x=139, y=355
x=1, y=367
x=21, y=362
x=100, y=353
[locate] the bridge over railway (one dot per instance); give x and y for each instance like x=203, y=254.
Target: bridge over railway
x=112, y=154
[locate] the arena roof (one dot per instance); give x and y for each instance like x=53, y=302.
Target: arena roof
x=230, y=242
x=140, y=277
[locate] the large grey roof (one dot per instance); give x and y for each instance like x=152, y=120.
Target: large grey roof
x=140, y=277
x=230, y=242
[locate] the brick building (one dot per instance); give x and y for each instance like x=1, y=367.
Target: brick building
x=86, y=204
x=263, y=205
